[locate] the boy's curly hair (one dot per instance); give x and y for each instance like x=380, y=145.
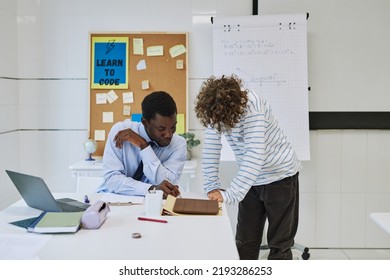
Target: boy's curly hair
x=221, y=102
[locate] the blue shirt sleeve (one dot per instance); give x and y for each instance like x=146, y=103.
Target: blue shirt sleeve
x=163, y=163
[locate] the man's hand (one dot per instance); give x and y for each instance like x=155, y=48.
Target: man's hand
x=168, y=188
x=215, y=195
x=131, y=136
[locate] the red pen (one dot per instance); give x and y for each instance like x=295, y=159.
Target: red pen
x=152, y=220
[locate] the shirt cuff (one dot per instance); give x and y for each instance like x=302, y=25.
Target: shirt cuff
x=210, y=187
x=224, y=197
x=143, y=189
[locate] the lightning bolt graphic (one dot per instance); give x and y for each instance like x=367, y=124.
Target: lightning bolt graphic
x=110, y=45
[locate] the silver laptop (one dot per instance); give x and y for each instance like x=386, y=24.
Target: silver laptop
x=37, y=195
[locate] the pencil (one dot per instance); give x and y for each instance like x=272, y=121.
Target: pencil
x=152, y=220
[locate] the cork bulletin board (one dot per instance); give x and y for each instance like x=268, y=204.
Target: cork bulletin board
x=124, y=68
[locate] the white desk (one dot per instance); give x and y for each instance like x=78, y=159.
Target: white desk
x=84, y=168
x=382, y=219
x=182, y=238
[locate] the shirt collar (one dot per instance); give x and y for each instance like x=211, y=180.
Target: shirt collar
x=143, y=133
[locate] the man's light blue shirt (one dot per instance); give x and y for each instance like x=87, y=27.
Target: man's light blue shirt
x=160, y=163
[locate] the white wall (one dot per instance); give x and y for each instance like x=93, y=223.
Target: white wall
x=9, y=136
x=46, y=51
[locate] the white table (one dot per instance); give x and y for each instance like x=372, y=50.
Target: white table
x=84, y=168
x=382, y=219
x=182, y=238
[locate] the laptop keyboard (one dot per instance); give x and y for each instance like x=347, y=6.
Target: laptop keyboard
x=70, y=205
x=70, y=208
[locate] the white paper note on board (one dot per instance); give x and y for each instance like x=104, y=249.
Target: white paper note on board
x=145, y=84
x=108, y=117
x=126, y=110
x=101, y=98
x=128, y=97
x=111, y=96
x=100, y=135
x=141, y=65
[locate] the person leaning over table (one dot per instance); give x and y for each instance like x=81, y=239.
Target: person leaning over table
x=153, y=140
x=266, y=185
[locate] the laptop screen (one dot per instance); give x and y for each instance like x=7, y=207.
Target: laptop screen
x=34, y=191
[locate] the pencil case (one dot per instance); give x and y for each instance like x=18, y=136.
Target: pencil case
x=95, y=215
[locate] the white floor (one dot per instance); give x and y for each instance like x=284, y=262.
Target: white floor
x=338, y=254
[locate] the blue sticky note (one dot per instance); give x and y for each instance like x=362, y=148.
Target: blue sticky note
x=136, y=117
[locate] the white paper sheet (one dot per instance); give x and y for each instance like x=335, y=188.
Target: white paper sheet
x=117, y=198
x=21, y=246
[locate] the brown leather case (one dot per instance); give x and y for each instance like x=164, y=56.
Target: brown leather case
x=196, y=206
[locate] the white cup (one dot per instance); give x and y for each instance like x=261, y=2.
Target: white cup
x=153, y=203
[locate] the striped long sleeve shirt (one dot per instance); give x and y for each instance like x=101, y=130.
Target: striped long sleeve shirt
x=262, y=152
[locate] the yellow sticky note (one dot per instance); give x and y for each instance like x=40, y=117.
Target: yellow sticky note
x=180, y=126
x=155, y=51
x=177, y=50
x=138, y=46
